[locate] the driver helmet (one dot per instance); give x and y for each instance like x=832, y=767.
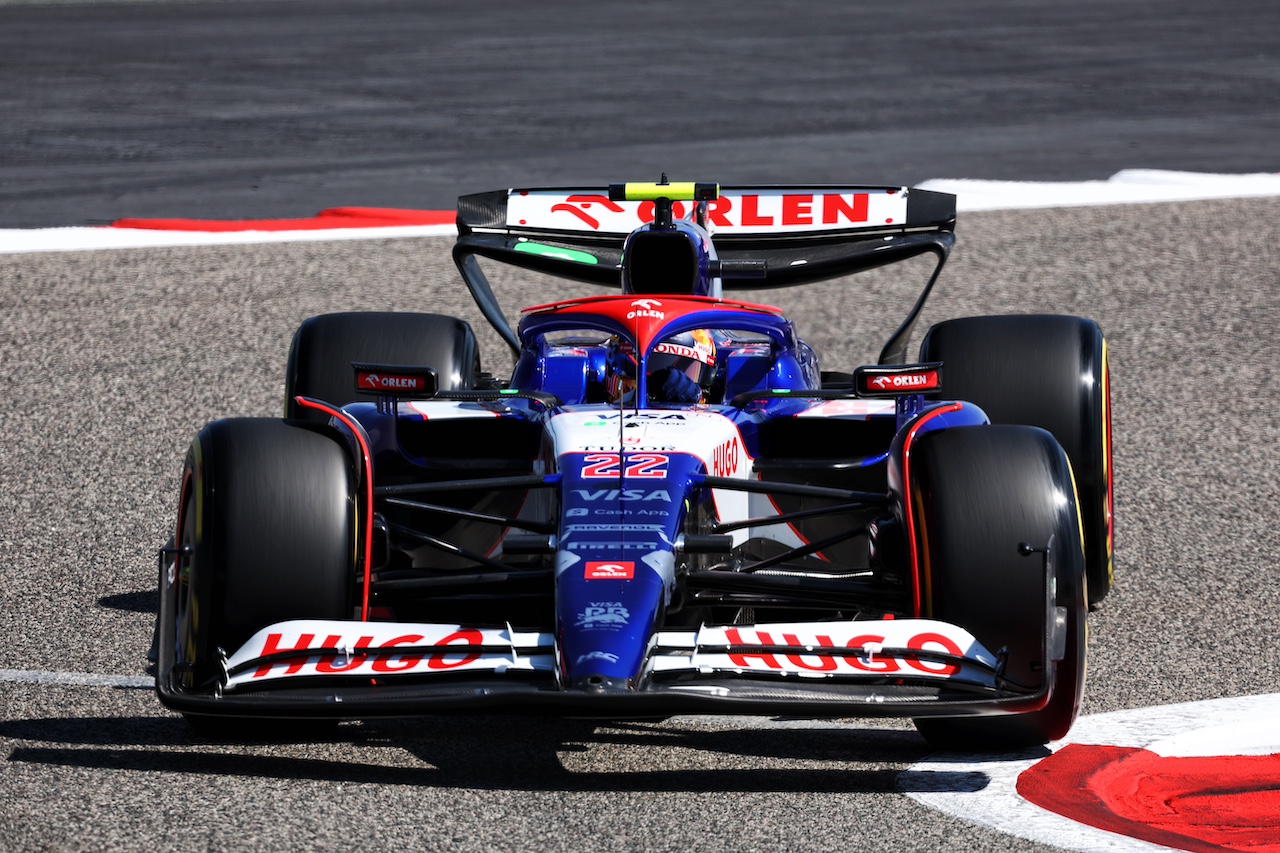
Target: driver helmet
x=691, y=353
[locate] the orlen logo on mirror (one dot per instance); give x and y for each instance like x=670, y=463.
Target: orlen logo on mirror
x=390, y=382
x=903, y=381
x=601, y=571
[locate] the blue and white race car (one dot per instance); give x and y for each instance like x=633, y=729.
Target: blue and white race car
x=667, y=507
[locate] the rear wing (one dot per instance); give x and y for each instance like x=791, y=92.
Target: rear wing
x=801, y=233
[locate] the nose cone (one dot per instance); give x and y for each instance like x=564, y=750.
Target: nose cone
x=621, y=513
x=606, y=611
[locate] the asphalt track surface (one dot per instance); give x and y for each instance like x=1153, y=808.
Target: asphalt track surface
x=114, y=358
x=237, y=110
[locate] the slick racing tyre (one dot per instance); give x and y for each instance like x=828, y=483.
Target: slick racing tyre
x=978, y=494
x=325, y=346
x=266, y=533
x=1047, y=371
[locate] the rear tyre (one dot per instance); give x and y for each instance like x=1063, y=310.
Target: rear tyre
x=1047, y=371
x=978, y=493
x=325, y=346
x=266, y=533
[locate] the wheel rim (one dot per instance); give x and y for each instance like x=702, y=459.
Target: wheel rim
x=184, y=606
x=1107, y=470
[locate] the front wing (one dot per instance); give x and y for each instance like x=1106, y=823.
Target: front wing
x=342, y=669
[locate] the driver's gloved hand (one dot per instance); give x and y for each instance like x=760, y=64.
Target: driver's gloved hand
x=668, y=385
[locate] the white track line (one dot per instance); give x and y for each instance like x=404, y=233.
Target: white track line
x=1132, y=186
x=84, y=679
x=74, y=239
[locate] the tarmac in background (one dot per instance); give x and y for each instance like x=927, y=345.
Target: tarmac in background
x=232, y=110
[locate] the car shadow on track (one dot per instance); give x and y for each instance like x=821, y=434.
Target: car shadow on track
x=508, y=753
x=143, y=601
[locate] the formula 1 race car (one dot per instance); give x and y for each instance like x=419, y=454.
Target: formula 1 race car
x=667, y=508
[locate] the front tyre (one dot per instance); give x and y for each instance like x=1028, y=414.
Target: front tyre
x=1048, y=371
x=979, y=493
x=266, y=533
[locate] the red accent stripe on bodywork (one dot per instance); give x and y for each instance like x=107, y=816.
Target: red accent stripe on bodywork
x=906, y=498
x=366, y=472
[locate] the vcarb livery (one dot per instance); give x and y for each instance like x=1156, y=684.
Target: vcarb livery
x=668, y=506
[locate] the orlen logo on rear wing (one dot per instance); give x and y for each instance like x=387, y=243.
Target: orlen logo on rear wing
x=897, y=380
x=741, y=211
